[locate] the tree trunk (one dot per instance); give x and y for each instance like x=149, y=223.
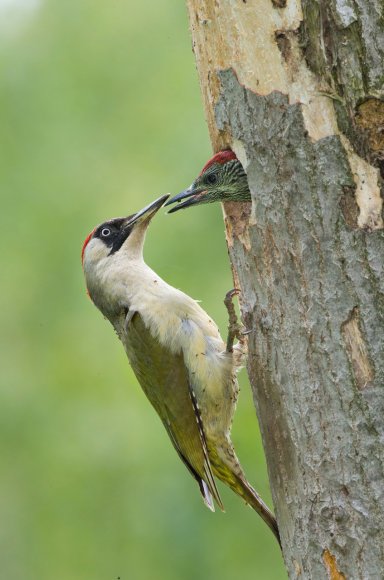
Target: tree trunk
x=295, y=90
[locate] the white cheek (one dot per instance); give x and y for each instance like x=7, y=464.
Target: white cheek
x=95, y=251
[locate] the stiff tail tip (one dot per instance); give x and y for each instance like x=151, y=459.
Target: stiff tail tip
x=255, y=502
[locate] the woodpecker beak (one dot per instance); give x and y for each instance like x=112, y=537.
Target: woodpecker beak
x=145, y=214
x=192, y=196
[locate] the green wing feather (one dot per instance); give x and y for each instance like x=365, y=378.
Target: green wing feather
x=164, y=379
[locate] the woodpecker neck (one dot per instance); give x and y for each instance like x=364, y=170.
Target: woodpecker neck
x=117, y=281
x=106, y=272
x=133, y=247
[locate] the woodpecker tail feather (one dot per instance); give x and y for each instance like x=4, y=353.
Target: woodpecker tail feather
x=207, y=485
x=227, y=468
x=252, y=498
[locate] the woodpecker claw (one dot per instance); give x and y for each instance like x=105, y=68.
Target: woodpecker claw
x=234, y=328
x=245, y=332
x=230, y=294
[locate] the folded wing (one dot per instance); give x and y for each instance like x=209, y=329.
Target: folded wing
x=164, y=379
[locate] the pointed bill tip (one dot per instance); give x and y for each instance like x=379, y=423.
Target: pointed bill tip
x=154, y=205
x=190, y=197
x=148, y=211
x=179, y=196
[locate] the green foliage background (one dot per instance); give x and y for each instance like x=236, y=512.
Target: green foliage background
x=100, y=113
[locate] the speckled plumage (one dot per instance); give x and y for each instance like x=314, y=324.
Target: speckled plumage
x=221, y=179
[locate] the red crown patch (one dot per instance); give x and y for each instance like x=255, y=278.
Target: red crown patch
x=220, y=157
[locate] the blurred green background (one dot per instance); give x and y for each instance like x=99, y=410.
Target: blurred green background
x=100, y=112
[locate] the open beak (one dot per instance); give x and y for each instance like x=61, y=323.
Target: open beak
x=145, y=214
x=191, y=195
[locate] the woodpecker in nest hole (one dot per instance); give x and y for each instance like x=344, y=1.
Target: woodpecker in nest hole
x=221, y=179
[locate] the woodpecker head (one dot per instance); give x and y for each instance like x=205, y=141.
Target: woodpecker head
x=119, y=236
x=221, y=179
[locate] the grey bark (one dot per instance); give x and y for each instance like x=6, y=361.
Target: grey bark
x=310, y=269
x=305, y=276
x=343, y=43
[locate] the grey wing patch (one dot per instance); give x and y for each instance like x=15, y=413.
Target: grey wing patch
x=164, y=379
x=207, y=464
x=204, y=490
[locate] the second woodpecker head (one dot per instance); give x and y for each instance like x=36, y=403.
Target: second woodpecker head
x=221, y=179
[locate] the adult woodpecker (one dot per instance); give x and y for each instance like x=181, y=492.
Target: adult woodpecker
x=175, y=351
x=221, y=179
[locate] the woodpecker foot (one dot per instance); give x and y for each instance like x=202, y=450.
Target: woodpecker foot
x=234, y=328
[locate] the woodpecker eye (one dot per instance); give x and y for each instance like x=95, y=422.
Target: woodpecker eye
x=211, y=178
x=105, y=232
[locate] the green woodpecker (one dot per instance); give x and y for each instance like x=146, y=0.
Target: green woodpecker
x=176, y=353
x=221, y=179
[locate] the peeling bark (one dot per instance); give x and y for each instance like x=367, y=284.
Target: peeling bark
x=357, y=351
x=296, y=89
x=330, y=563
